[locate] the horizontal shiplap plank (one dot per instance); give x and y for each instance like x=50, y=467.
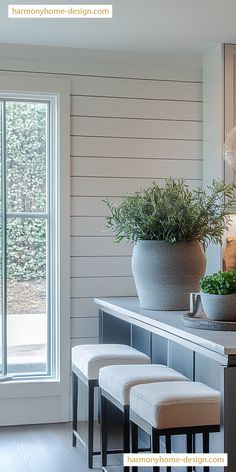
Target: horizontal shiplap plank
x=86, y=186
x=111, y=187
x=55, y=60
x=83, y=307
x=100, y=267
x=103, y=287
x=136, y=148
x=84, y=327
x=126, y=108
x=89, y=226
x=132, y=128
x=153, y=169
x=93, y=246
x=90, y=206
x=115, y=87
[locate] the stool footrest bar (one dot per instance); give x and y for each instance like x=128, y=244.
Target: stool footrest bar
x=97, y=453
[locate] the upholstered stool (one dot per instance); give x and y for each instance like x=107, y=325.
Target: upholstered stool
x=115, y=383
x=86, y=362
x=161, y=410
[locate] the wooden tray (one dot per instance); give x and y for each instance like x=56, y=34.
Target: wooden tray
x=200, y=321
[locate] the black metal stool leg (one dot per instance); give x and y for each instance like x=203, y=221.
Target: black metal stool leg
x=99, y=412
x=134, y=442
x=194, y=449
x=74, y=406
x=155, y=446
x=90, y=424
x=189, y=448
x=168, y=449
x=126, y=439
x=126, y=433
x=205, y=438
x=103, y=430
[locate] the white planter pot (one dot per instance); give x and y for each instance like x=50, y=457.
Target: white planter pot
x=219, y=307
x=165, y=274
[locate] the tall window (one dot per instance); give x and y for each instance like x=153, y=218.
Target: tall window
x=26, y=237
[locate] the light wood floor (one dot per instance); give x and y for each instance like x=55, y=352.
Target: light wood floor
x=44, y=448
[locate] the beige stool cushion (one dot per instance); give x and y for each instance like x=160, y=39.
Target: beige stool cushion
x=182, y=404
x=89, y=358
x=117, y=380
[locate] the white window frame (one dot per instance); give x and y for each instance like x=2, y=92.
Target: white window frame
x=46, y=399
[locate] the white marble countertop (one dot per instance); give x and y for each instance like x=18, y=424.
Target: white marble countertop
x=170, y=324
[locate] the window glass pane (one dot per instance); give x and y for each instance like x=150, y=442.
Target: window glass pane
x=27, y=295
x=26, y=142
x=1, y=308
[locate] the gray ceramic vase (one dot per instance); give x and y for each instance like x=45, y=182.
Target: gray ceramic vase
x=165, y=274
x=219, y=307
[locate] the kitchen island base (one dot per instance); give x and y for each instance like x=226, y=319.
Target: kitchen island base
x=204, y=356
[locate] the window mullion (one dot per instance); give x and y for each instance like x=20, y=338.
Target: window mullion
x=32, y=215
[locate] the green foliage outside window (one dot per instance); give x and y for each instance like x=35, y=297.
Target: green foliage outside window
x=26, y=188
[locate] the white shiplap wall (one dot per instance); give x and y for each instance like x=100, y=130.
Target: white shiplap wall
x=125, y=133
x=132, y=122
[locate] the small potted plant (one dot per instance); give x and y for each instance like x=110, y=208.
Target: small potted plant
x=170, y=225
x=218, y=296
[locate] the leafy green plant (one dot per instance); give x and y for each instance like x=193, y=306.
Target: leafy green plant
x=173, y=213
x=221, y=283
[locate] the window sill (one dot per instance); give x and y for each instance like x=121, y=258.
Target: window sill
x=31, y=387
